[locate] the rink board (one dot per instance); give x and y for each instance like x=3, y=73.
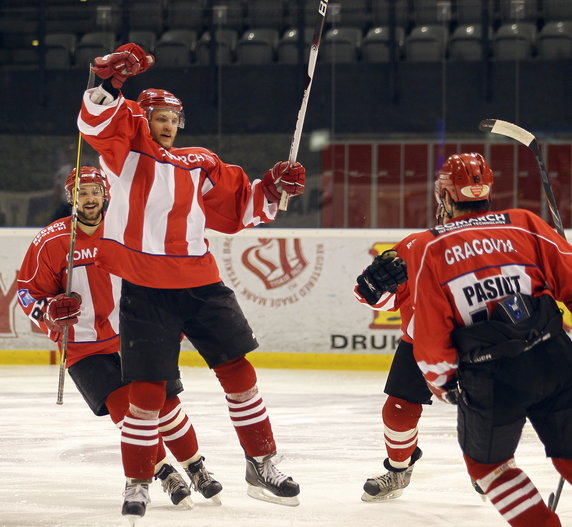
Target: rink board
x=295, y=286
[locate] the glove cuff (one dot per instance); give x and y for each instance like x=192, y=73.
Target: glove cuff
x=104, y=94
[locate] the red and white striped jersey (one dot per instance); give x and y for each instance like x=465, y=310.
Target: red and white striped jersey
x=402, y=299
x=461, y=270
x=43, y=275
x=162, y=200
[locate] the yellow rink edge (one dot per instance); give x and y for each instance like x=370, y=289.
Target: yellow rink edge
x=297, y=361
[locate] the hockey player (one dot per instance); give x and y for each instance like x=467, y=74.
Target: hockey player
x=383, y=286
x=91, y=315
x=163, y=198
x=489, y=337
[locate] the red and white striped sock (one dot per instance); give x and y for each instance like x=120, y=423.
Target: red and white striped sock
x=513, y=494
x=252, y=425
x=400, y=420
x=139, y=441
x=177, y=431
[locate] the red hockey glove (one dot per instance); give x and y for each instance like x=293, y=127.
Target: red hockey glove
x=125, y=61
x=448, y=393
x=385, y=273
x=283, y=177
x=62, y=311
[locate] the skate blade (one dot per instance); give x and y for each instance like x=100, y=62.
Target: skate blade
x=132, y=519
x=186, y=502
x=216, y=499
x=259, y=493
x=385, y=497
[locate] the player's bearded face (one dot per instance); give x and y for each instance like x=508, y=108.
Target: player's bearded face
x=90, y=203
x=163, y=125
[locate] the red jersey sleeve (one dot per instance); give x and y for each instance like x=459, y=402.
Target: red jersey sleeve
x=234, y=203
x=38, y=280
x=111, y=129
x=555, y=254
x=433, y=322
x=402, y=299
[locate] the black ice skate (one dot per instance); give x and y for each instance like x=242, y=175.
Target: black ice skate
x=136, y=499
x=390, y=485
x=202, y=481
x=267, y=483
x=174, y=485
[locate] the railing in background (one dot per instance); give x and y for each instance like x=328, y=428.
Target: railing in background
x=390, y=184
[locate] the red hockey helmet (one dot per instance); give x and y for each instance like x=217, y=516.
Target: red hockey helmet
x=153, y=99
x=86, y=175
x=466, y=177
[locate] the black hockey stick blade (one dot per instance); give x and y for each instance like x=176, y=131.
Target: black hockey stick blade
x=486, y=125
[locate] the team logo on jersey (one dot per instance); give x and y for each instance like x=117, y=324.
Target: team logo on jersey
x=25, y=297
x=275, y=272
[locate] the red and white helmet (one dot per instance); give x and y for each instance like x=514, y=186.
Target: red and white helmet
x=86, y=175
x=153, y=99
x=465, y=177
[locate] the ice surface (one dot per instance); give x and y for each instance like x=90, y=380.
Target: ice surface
x=60, y=465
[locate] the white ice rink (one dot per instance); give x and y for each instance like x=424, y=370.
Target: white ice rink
x=60, y=465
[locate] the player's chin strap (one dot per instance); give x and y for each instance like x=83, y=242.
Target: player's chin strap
x=91, y=224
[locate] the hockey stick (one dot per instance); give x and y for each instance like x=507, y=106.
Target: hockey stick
x=73, y=231
x=318, y=28
x=496, y=126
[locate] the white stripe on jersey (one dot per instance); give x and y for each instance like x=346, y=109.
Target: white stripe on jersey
x=38, y=256
x=119, y=202
x=97, y=109
x=442, y=370
x=116, y=292
x=270, y=209
x=207, y=185
x=159, y=204
x=84, y=330
x=196, y=220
